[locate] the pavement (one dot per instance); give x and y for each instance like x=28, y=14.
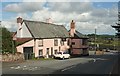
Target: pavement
x=93, y=64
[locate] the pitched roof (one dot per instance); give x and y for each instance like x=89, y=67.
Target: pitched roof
x=46, y=30
x=22, y=40
x=80, y=35
x=13, y=33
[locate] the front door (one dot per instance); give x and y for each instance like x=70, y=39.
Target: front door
x=47, y=52
x=40, y=53
x=51, y=51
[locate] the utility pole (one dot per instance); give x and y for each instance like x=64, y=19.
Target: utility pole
x=95, y=40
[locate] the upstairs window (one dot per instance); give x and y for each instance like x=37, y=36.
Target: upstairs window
x=40, y=43
x=62, y=43
x=84, y=42
x=55, y=42
x=73, y=43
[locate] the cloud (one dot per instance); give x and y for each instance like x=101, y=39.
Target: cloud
x=56, y=16
x=68, y=7
x=34, y=0
x=24, y=7
x=70, y=0
x=10, y=0
x=10, y=25
x=22, y=15
x=107, y=17
x=56, y=0
x=87, y=28
x=85, y=15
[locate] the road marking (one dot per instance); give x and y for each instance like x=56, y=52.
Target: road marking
x=25, y=68
x=12, y=67
x=68, y=68
x=18, y=67
x=94, y=60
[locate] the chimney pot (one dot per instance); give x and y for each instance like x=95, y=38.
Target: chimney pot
x=19, y=20
x=49, y=20
x=72, y=20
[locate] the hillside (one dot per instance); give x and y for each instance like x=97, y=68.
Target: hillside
x=103, y=41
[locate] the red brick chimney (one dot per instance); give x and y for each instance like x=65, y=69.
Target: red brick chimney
x=72, y=28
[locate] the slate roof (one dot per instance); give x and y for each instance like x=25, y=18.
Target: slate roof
x=80, y=35
x=46, y=30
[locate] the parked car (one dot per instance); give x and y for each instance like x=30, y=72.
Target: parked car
x=62, y=55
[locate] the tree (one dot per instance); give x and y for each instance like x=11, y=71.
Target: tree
x=6, y=41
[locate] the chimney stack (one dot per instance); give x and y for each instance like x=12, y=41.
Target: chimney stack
x=19, y=31
x=49, y=20
x=19, y=20
x=72, y=28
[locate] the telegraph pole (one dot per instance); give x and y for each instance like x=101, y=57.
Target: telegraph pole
x=95, y=40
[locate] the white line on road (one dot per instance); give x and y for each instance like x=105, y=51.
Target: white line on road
x=94, y=60
x=68, y=68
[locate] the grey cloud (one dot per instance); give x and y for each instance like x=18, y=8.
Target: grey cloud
x=68, y=7
x=10, y=25
x=24, y=7
x=64, y=12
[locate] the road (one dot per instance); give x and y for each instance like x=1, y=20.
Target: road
x=93, y=64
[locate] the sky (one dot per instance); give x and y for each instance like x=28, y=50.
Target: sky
x=88, y=15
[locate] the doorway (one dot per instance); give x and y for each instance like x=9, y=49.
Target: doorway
x=28, y=52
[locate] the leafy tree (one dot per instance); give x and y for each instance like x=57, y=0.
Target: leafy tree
x=6, y=41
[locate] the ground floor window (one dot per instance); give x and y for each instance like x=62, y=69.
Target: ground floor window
x=73, y=43
x=85, y=49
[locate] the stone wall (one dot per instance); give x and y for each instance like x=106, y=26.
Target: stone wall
x=11, y=57
x=99, y=52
